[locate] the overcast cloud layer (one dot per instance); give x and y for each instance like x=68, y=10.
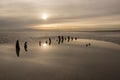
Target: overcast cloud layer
x=72, y=14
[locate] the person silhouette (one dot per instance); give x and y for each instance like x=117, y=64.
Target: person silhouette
x=65, y=39
x=75, y=38
x=17, y=48
x=25, y=46
x=39, y=43
x=62, y=39
x=49, y=41
x=71, y=38
x=59, y=39
x=46, y=42
x=68, y=38
x=89, y=44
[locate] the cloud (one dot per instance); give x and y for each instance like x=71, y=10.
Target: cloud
x=16, y=23
x=25, y=13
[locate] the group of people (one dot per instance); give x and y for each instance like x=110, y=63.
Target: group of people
x=89, y=44
x=60, y=40
x=47, y=42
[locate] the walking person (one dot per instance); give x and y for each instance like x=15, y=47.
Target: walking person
x=68, y=38
x=25, y=46
x=62, y=39
x=59, y=39
x=17, y=48
x=39, y=43
x=49, y=41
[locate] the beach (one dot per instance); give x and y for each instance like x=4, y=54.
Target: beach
x=67, y=61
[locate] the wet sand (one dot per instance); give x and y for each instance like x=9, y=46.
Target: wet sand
x=68, y=61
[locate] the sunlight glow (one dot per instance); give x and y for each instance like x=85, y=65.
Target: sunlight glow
x=44, y=16
x=44, y=45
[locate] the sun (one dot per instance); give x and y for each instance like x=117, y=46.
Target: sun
x=44, y=16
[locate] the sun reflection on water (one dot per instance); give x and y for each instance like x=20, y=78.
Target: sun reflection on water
x=44, y=45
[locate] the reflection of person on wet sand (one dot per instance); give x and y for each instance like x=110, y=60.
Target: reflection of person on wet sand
x=68, y=38
x=86, y=45
x=59, y=39
x=62, y=39
x=46, y=42
x=89, y=44
x=17, y=48
x=71, y=38
x=65, y=39
x=75, y=38
x=49, y=41
x=39, y=43
x=25, y=46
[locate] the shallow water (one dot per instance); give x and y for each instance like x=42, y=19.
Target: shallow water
x=68, y=61
x=11, y=37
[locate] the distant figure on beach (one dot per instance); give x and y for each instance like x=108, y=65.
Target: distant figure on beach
x=25, y=46
x=75, y=38
x=68, y=38
x=49, y=41
x=46, y=42
x=39, y=43
x=62, y=39
x=71, y=38
x=17, y=48
x=89, y=44
x=65, y=39
x=59, y=39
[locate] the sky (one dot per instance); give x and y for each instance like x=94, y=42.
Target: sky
x=74, y=15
